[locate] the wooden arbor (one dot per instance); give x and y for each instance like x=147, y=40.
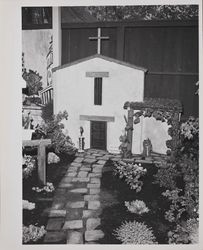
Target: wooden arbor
x=165, y=110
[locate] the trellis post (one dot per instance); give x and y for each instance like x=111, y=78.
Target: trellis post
x=130, y=131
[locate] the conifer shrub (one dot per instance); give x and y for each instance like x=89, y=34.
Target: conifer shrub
x=135, y=233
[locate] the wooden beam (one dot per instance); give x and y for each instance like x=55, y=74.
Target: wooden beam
x=97, y=74
x=41, y=157
x=97, y=118
x=35, y=143
x=120, y=42
x=172, y=73
x=142, y=23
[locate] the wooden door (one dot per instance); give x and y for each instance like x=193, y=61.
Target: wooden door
x=98, y=135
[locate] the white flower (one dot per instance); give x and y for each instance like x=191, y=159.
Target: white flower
x=28, y=205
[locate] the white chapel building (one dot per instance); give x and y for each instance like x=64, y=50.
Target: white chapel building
x=93, y=91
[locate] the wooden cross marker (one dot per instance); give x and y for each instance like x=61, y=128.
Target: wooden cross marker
x=41, y=156
x=99, y=38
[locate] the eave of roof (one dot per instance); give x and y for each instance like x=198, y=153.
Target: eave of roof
x=102, y=57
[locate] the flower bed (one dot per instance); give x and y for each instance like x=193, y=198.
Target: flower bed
x=154, y=203
x=37, y=199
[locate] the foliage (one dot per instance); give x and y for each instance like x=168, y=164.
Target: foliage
x=29, y=165
x=33, y=80
x=135, y=233
x=52, y=158
x=32, y=99
x=178, y=205
x=48, y=188
x=131, y=173
x=137, y=207
x=143, y=12
x=28, y=205
x=166, y=175
x=189, y=131
x=48, y=111
x=190, y=128
x=187, y=233
x=33, y=233
x=53, y=129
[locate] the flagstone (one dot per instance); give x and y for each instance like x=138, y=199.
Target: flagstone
x=79, y=159
x=87, y=160
x=93, y=223
x=75, y=204
x=79, y=190
x=91, y=197
x=57, y=213
x=82, y=174
x=77, y=179
x=55, y=237
x=54, y=224
x=73, y=224
x=102, y=162
x=93, y=185
x=74, y=237
x=93, y=235
x=95, y=180
x=76, y=164
x=94, y=190
x=72, y=174
x=94, y=205
x=94, y=175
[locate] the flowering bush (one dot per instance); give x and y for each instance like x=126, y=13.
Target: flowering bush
x=29, y=165
x=131, y=173
x=166, y=175
x=190, y=128
x=134, y=233
x=137, y=207
x=52, y=158
x=189, y=132
x=187, y=233
x=28, y=205
x=48, y=188
x=33, y=233
x=53, y=129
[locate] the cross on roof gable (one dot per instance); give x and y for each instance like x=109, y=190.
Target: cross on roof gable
x=102, y=57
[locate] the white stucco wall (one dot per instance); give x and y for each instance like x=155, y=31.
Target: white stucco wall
x=157, y=132
x=35, y=45
x=74, y=92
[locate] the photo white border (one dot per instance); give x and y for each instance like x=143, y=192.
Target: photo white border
x=10, y=125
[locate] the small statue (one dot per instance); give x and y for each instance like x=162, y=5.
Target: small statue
x=81, y=140
x=81, y=131
x=147, y=147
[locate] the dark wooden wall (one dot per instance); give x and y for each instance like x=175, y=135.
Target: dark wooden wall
x=169, y=50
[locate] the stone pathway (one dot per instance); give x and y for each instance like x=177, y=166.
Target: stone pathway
x=75, y=214
x=74, y=217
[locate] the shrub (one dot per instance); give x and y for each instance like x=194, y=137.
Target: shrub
x=135, y=233
x=33, y=80
x=53, y=129
x=131, y=173
x=137, y=207
x=185, y=234
x=33, y=233
x=48, y=111
x=29, y=165
x=166, y=175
